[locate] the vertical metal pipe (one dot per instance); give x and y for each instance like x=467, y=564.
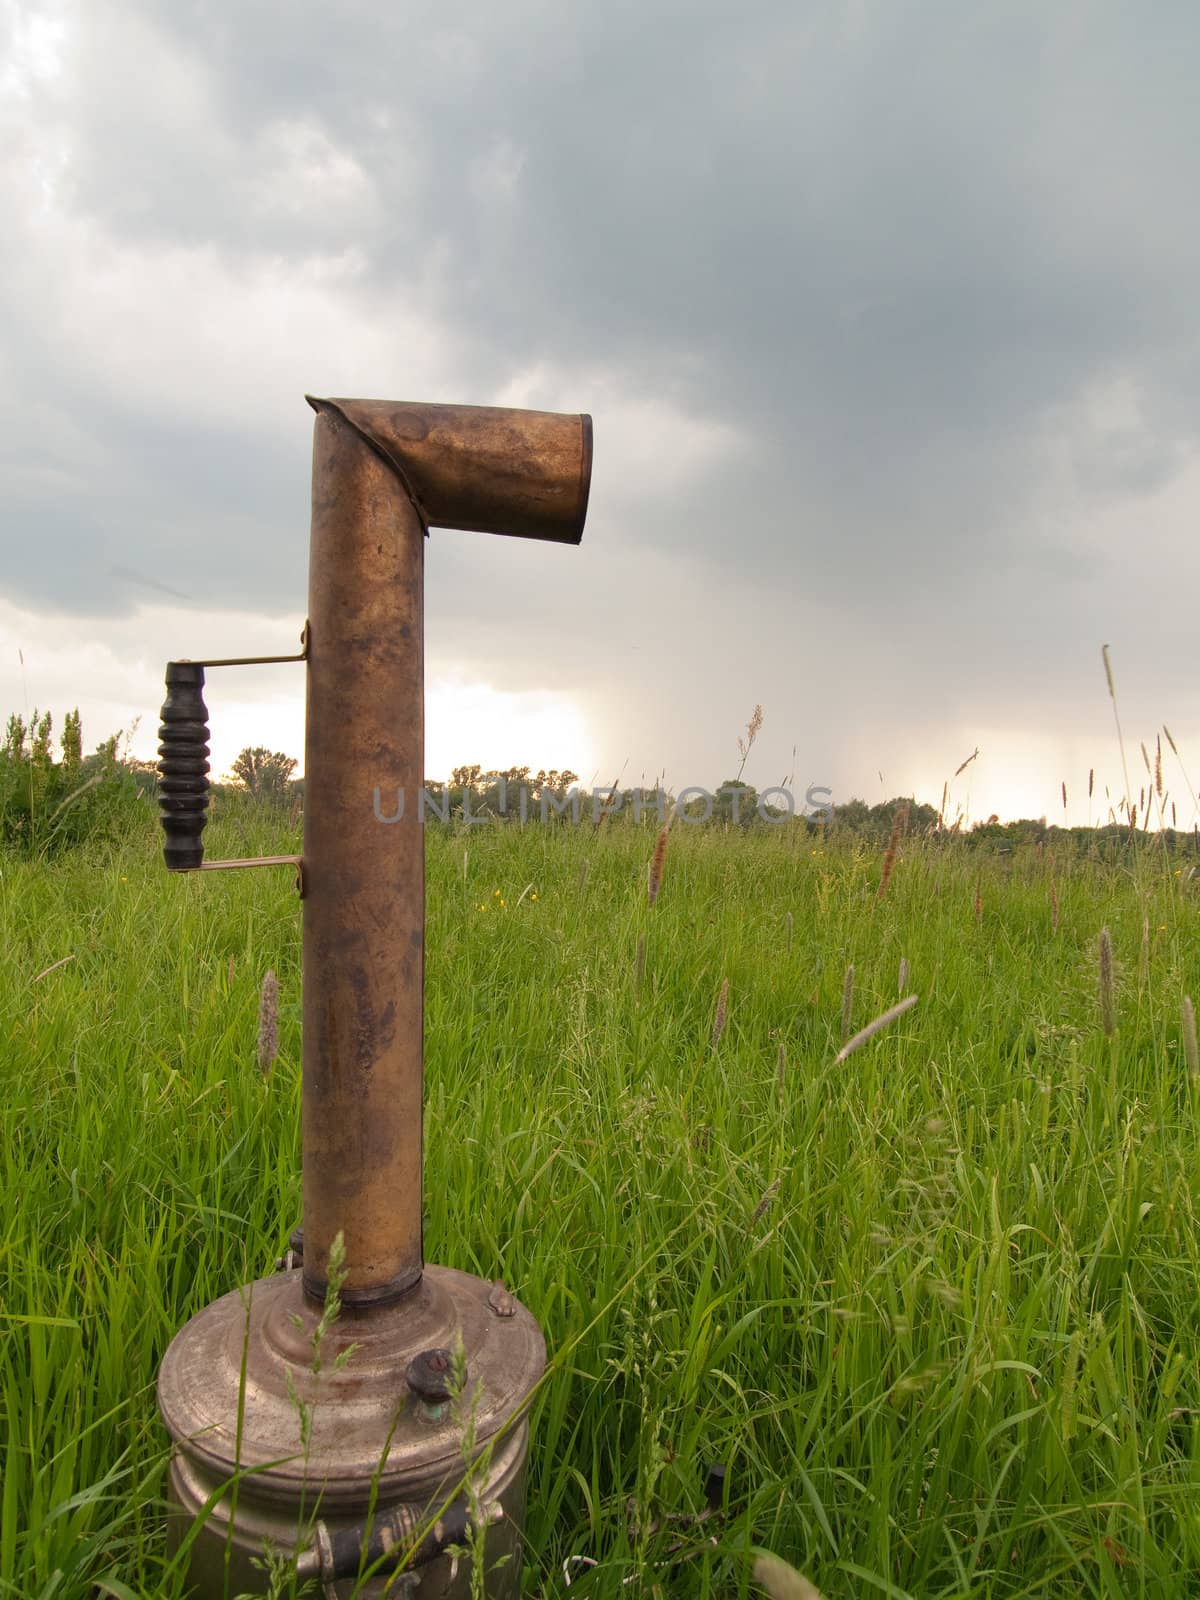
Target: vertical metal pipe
x=364, y=904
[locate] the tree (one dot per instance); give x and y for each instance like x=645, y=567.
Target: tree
x=72, y=741
x=47, y=806
x=734, y=800
x=263, y=773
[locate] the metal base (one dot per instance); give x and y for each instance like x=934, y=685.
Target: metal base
x=238, y=1392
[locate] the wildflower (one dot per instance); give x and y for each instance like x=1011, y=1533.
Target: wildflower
x=533, y=896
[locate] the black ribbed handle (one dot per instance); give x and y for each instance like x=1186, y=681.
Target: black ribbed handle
x=183, y=766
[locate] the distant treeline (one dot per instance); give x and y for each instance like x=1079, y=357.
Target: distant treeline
x=52, y=800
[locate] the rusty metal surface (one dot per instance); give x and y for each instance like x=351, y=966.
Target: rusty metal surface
x=364, y=900
x=354, y=1406
x=483, y=468
x=232, y=1380
x=382, y=470
x=249, y=1356
x=226, y=1560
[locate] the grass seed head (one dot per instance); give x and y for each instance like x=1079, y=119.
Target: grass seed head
x=1108, y=1006
x=764, y=1203
x=752, y=731
x=780, y=1581
x=872, y=1028
x=1191, y=1053
x=606, y=810
x=847, y=1000
x=657, y=863
x=721, y=1014
x=899, y=823
x=268, y=1024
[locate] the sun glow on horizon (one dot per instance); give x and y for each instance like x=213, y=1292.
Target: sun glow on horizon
x=468, y=723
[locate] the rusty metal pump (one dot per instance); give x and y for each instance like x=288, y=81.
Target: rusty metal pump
x=384, y=1464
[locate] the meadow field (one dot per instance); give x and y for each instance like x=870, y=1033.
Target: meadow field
x=934, y=1307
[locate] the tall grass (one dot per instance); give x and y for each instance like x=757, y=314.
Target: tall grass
x=933, y=1307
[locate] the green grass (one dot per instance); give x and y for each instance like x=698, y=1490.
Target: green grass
x=935, y=1308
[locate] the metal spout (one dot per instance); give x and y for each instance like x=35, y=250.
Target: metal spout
x=486, y=469
x=382, y=1469
x=383, y=472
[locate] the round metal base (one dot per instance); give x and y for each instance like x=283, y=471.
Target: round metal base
x=282, y=1446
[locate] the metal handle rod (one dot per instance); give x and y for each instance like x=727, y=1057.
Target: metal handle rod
x=256, y=661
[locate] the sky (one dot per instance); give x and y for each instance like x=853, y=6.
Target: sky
x=885, y=313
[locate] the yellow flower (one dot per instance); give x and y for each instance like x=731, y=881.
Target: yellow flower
x=124, y=880
x=533, y=896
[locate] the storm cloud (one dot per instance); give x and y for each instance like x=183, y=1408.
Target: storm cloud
x=885, y=314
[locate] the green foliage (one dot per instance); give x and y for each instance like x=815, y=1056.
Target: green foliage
x=48, y=806
x=265, y=774
x=934, y=1308
x=475, y=792
x=875, y=822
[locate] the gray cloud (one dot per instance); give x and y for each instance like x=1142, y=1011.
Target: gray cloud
x=904, y=293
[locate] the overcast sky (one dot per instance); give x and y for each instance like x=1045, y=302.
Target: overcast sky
x=886, y=314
